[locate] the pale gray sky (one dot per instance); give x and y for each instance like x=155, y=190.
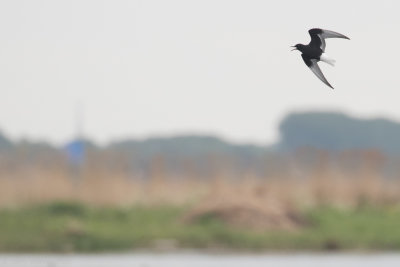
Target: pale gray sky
x=146, y=68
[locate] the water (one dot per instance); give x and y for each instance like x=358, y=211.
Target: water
x=199, y=260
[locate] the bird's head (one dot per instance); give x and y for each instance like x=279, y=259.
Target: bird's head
x=297, y=47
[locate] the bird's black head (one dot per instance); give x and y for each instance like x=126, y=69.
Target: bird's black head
x=298, y=47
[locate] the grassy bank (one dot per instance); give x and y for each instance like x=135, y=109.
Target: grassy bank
x=65, y=227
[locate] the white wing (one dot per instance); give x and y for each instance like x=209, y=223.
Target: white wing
x=329, y=34
x=317, y=71
x=318, y=37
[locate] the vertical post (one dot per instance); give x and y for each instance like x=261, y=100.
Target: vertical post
x=76, y=149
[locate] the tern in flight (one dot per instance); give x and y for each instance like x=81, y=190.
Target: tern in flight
x=313, y=52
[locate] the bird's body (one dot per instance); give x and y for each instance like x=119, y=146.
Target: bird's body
x=310, y=51
x=314, y=51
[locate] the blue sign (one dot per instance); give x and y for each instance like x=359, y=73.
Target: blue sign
x=76, y=152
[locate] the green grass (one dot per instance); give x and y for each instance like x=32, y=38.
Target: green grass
x=64, y=227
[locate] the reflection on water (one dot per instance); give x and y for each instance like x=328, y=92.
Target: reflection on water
x=199, y=260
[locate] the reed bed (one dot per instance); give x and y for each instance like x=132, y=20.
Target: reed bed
x=295, y=186
x=322, y=205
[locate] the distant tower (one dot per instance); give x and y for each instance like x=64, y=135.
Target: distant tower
x=79, y=113
x=76, y=148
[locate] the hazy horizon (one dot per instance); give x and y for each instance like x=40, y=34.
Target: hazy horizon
x=148, y=68
x=327, y=113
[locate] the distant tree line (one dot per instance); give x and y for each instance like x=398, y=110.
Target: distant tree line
x=336, y=132
x=303, y=136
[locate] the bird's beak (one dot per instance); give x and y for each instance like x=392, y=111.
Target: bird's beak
x=295, y=48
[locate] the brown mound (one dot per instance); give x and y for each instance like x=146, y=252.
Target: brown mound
x=248, y=213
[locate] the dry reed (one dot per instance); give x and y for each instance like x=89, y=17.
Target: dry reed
x=296, y=186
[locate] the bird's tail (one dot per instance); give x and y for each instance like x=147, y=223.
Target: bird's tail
x=327, y=60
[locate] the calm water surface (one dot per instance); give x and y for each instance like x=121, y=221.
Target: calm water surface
x=199, y=260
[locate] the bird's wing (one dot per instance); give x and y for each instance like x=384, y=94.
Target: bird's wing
x=313, y=65
x=318, y=37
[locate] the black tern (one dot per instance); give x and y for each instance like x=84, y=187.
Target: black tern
x=313, y=52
